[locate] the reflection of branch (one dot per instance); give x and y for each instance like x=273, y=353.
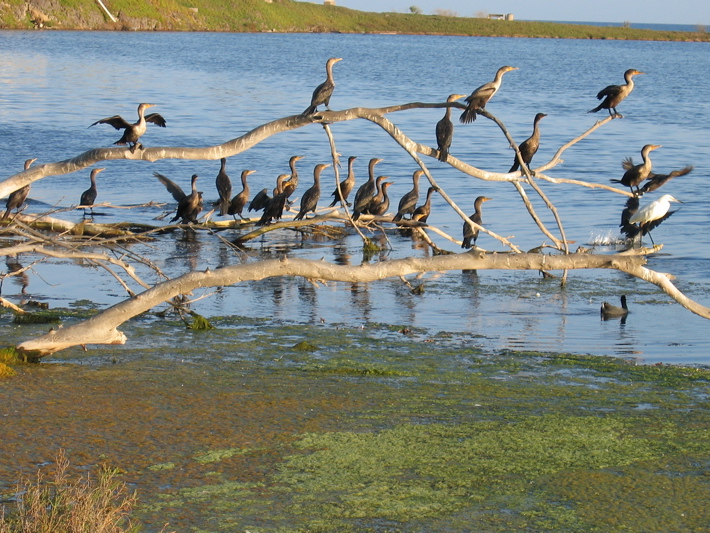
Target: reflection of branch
x=102, y=328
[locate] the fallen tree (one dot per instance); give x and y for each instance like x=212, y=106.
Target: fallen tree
x=103, y=328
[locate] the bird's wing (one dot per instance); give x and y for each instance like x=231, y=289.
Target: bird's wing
x=655, y=223
x=116, y=121
x=627, y=163
x=156, y=118
x=609, y=90
x=172, y=187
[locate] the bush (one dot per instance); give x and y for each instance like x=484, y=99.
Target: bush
x=61, y=505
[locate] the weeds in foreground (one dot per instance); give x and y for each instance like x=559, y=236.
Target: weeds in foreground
x=60, y=505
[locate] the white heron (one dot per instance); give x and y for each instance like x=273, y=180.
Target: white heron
x=651, y=215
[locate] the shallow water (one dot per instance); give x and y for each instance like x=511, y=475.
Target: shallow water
x=214, y=87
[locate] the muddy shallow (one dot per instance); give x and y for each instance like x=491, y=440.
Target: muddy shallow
x=320, y=428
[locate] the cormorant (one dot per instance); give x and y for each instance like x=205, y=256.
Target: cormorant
x=289, y=186
x=88, y=197
x=381, y=203
x=346, y=186
x=236, y=206
x=322, y=93
x=656, y=181
x=408, y=202
x=309, y=200
x=366, y=191
x=529, y=146
x=611, y=311
x=190, y=206
x=274, y=207
x=17, y=198
x=469, y=233
x=366, y=203
x=651, y=215
x=133, y=132
x=421, y=213
x=637, y=173
x=224, y=188
x=614, y=94
x=627, y=228
x=479, y=98
x=445, y=129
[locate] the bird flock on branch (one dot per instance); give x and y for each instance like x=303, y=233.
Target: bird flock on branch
x=373, y=197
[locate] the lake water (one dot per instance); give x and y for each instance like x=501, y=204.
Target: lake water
x=215, y=87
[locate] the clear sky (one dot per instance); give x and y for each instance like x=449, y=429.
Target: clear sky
x=694, y=12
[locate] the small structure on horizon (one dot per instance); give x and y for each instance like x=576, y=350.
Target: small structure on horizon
x=328, y=2
x=501, y=16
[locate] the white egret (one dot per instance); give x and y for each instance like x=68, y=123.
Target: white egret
x=651, y=215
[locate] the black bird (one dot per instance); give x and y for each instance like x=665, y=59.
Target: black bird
x=445, y=130
x=381, y=203
x=368, y=202
x=366, y=191
x=189, y=205
x=262, y=198
x=529, y=146
x=236, y=206
x=17, y=198
x=322, y=93
x=655, y=181
x=289, y=187
x=88, y=197
x=479, y=98
x=274, y=207
x=133, y=132
x=422, y=212
x=408, y=202
x=614, y=94
x=346, y=186
x=224, y=188
x=469, y=233
x=309, y=200
x=631, y=231
x=635, y=174
x=611, y=311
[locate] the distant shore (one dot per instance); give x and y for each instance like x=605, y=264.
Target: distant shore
x=287, y=16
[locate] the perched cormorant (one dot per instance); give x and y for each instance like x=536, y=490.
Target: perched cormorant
x=656, y=181
x=366, y=203
x=236, y=206
x=421, y=213
x=289, y=187
x=133, y=132
x=322, y=93
x=309, y=200
x=274, y=207
x=88, y=197
x=408, y=202
x=637, y=173
x=470, y=234
x=262, y=198
x=17, y=198
x=346, y=186
x=529, y=146
x=651, y=215
x=611, y=311
x=224, y=188
x=190, y=206
x=479, y=98
x=381, y=203
x=445, y=129
x=614, y=94
x=366, y=191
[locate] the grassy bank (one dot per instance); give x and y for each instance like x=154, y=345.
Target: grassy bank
x=290, y=16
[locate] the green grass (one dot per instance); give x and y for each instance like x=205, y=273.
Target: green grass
x=290, y=16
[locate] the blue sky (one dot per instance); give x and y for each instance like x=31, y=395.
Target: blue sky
x=694, y=12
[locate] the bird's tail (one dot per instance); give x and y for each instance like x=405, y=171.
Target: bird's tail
x=466, y=242
x=7, y=213
x=309, y=110
x=397, y=217
x=615, y=181
x=595, y=109
x=515, y=166
x=468, y=116
x=444, y=154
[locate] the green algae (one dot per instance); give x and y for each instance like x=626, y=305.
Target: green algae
x=214, y=456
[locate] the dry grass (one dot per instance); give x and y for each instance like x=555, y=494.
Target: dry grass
x=62, y=505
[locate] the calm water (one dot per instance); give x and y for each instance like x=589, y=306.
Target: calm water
x=215, y=87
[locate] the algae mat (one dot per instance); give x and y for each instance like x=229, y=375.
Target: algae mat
x=263, y=427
